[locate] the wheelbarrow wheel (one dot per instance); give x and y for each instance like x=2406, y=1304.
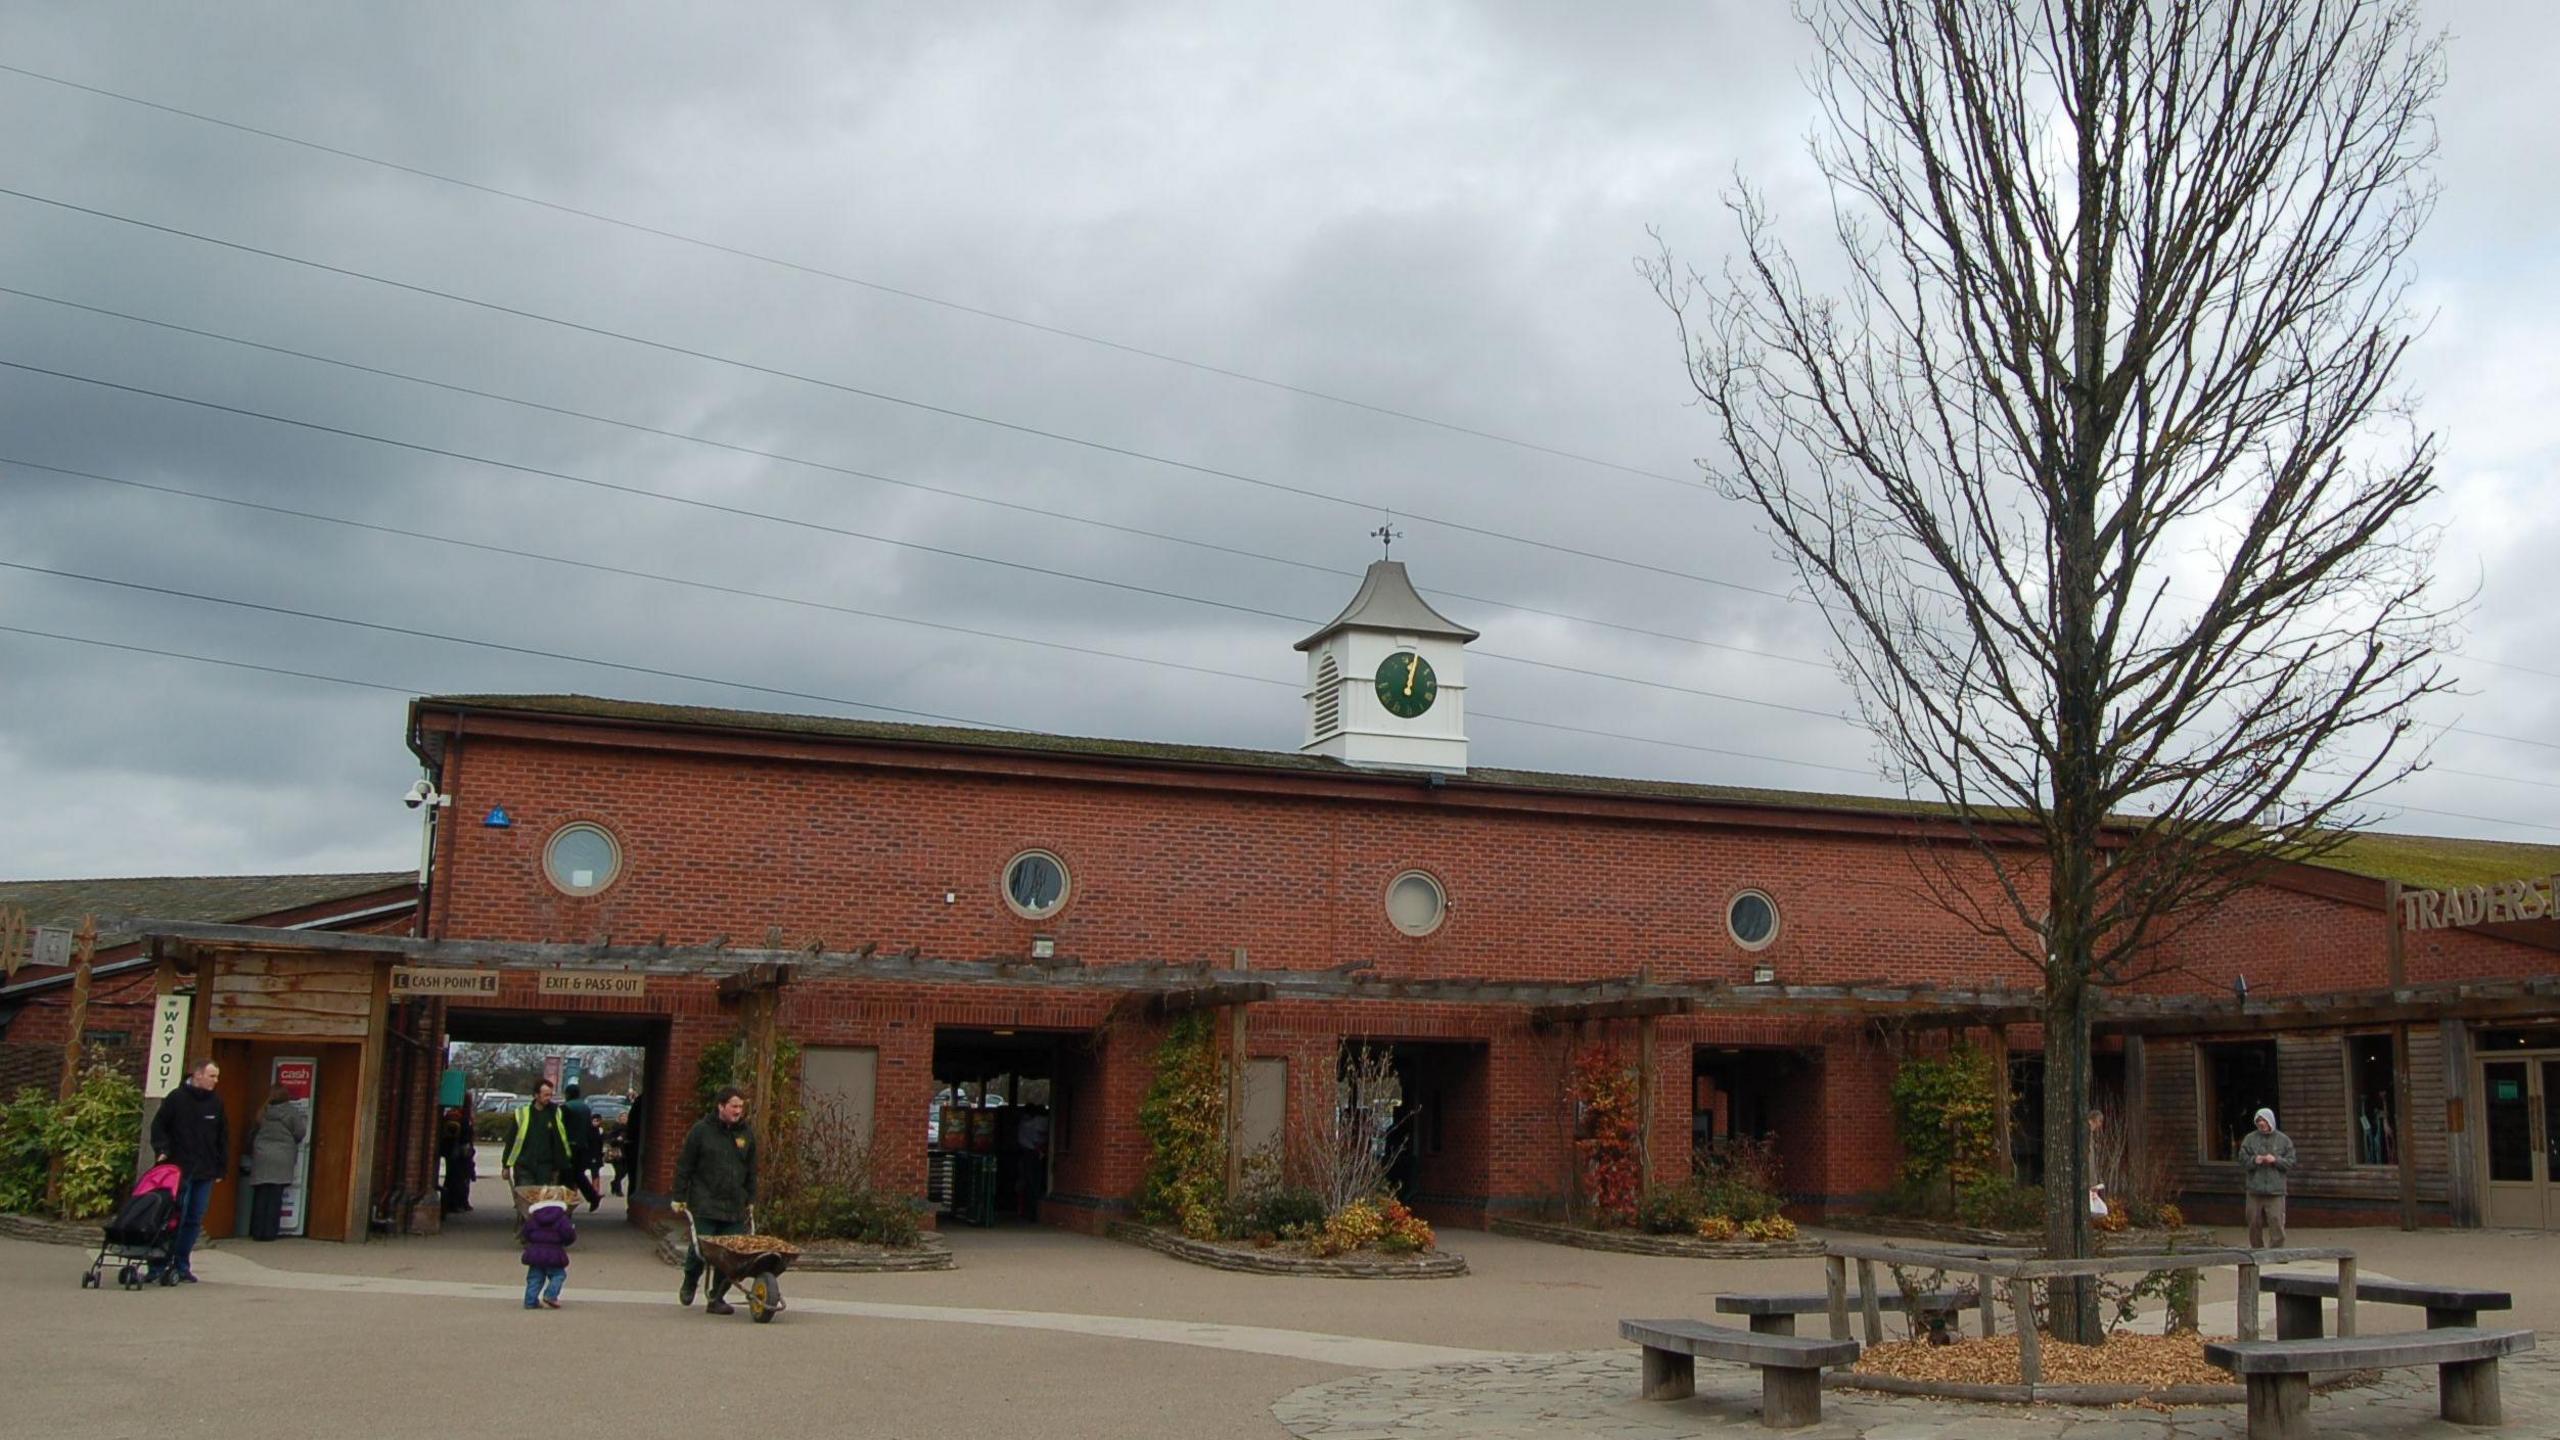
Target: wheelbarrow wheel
x=764, y=1298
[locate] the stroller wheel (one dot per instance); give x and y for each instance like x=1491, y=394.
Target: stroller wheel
x=168, y=1279
x=89, y=1280
x=129, y=1277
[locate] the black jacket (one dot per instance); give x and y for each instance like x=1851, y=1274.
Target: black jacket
x=716, y=1170
x=191, y=1130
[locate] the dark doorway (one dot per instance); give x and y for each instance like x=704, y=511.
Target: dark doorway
x=618, y=1062
x=1742, y=1091
x=998, y=1099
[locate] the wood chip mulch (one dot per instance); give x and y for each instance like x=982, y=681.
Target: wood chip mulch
x=2150, y=1361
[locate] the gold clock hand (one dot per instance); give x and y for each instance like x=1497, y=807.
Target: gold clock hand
x=1411, y=664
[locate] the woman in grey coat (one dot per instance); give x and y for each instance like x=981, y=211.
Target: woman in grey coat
x=274, y=1147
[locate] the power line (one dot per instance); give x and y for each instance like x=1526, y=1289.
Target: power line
x=949, y=412
x=849, y=533
x=878, y=287
x=872, y=475
x=293, y=613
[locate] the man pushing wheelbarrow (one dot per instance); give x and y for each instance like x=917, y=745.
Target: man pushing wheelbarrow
x=716, y=1191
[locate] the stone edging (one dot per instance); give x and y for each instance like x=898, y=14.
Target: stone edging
x=931, y=1253
x=1628, y=1242
x=44, y=1231
x=1358, y=1265
x=1898, y=1227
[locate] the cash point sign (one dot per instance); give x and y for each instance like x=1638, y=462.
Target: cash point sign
x=407, y=980
x=2502, y=903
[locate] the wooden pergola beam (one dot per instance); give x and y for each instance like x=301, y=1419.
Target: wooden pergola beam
x=1217, y=995
x=1634, y=1008
x=1548, y=1002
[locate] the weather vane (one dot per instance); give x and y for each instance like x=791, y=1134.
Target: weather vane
x=1387, y=536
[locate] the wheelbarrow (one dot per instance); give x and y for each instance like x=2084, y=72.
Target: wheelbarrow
x=755, y=1267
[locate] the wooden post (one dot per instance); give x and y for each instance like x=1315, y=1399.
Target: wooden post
x=1983, y=1291
x=2396, y=969
x=2137, y=1120
x=1870, y=1306
x=2467, y=1393
x=84, y=956
x=2347, y=1292
x=2001, y=1145
x=1235, y=1084
x=373, y=1057
x=2184, y=1316
x=2461, y=1167
x=2248, y=1298
x=2022, y=1303
x=1835, y=1277
x=1644, y=1101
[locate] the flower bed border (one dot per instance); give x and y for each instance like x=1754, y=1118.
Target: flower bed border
x=1628, y=1242
x=1903, y=1228
x=1246, y=1260
x=933, y=1252
x=44, y=1230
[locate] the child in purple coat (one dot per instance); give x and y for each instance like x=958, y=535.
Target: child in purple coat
x=547, y=1238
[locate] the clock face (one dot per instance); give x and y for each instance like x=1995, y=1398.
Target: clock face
x=1406, y=685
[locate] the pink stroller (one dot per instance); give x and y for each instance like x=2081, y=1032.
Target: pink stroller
x=143, y=1231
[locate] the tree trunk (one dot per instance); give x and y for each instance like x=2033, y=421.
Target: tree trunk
x=2073, y=1301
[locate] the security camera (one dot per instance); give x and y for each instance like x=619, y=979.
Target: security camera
x=419, y=794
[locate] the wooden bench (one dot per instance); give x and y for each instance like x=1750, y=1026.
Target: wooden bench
x=1776, y=1314
x=2278, y=1372
x=2298, y=1300
x=1790, y=1366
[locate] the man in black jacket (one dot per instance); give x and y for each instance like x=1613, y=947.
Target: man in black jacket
x=192, y=1132
x=586, y=1148
x=716, y=1180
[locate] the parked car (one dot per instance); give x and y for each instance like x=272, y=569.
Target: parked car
x=493, y=1101
x=609, y=1109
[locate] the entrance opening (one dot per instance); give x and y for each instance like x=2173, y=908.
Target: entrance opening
x=494, y=1062
x=997, y=1100
x=1437, y=1126
x=1746, y=1092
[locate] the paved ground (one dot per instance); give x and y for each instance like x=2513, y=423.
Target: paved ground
x=1038, y=1333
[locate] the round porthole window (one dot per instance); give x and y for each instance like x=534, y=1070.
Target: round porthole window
x=1753, y=920
x=1035, y=884
x=581, y=859
x=1416, y=903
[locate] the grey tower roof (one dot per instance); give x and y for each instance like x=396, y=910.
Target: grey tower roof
x=1388, y=601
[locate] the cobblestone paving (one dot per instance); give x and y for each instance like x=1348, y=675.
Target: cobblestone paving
x=1593, y=1394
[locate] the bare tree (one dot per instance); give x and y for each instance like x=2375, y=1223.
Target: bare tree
x=1343, y=1151
x=2096, y=460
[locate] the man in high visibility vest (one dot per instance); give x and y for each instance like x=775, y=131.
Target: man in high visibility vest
x=538, y=1153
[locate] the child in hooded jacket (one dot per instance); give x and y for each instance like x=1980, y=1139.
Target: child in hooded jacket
x=548, y=1234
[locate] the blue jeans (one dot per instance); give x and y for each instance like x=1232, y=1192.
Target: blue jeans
x=194, y=1198
x=541, y=1284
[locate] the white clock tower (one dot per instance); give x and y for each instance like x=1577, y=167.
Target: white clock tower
x=1387, y=680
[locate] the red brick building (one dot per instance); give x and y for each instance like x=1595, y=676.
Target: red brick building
x=966, y=904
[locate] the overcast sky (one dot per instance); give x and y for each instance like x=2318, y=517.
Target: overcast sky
x=1359, y=209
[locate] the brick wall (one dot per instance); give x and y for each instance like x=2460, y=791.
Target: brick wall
x=859, y=844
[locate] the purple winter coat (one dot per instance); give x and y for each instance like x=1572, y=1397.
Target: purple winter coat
x=548, y=1236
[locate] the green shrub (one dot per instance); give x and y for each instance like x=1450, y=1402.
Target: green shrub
x=95, y=1133
x=1944, y=1109
x=842, y=1212
x=1184, y=1121
x=1276, y=1210
x=1671, y=1209
x=24, y=1127
x=1996, y=1202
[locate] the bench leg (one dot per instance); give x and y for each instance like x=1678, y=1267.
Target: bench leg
x=1790, y=1399
x=2439, y=1317
x=2298, y=1317
x=2468, y=1393
x=1773, y=1324
x=1669, y=1375
x=2279, y=1407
